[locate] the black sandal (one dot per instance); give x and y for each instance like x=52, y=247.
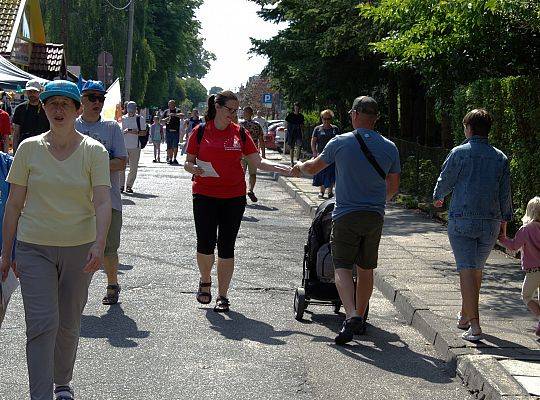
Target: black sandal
x=111, y=297
x=200, y=292
x=222, y=304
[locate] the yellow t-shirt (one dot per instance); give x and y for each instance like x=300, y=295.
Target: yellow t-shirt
x=58, y=210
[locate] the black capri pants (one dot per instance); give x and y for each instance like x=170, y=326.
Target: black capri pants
x=217, y=220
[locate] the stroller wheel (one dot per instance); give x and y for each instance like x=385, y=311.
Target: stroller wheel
x=299, y=303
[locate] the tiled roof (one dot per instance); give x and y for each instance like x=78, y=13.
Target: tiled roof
x=8, y=14
x=46, y=57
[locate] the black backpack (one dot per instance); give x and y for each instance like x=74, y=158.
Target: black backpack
x=200, y=133
x=143, y=140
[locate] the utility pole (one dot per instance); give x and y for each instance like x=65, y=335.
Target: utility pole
x=129, y=54
x=64, y=26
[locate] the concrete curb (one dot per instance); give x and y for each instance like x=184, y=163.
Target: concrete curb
x=481, y=374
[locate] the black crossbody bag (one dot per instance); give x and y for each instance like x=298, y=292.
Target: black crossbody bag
x=369, y=155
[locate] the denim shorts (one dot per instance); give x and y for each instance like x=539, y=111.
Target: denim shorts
x=472, y=240
x=172, y=139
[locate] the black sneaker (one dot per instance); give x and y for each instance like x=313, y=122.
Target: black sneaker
x=252, y=197
x=121, y=189
x=63, y=393
x=129, y=190
x=351, y=326
x=175, y=162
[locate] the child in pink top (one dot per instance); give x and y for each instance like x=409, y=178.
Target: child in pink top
x=528, y=240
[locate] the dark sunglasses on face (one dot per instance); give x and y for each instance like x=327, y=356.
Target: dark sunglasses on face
x=95, y=97
x=327, y=119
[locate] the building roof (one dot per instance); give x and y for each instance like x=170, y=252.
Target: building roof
x=9, y=13
x=46, y=58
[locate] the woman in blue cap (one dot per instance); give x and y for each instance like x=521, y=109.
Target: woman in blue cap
x=60, y=207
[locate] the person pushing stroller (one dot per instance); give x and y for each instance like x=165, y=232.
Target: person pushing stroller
x=357, y=219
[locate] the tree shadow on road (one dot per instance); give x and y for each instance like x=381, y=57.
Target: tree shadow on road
x=390, y=353
x=141, y=195
x=115, y=325
x=236, y=326
x=121, y=267
x=261, y=207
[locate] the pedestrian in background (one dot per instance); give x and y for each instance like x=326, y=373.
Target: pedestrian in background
x=261, y=121
x=109, y=134
x=257, y=134
x=60, y=207
x=29, y=118
x=527, y=240
x=5, y=131
x=478, y=176
x=132, y=127
x=171, y=117
x=5, y=165
x=322, y=134
x=156, y=135
x=295, y=127
x=219, y=199
x=358, y=216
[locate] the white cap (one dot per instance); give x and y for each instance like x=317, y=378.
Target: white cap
x=34, y=85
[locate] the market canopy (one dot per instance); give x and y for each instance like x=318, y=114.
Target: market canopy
x=12, y=77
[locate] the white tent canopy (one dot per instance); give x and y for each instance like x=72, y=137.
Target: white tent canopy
x=12, y=76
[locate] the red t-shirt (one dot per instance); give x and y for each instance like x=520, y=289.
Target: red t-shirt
x=5, y=123
x=224, y=149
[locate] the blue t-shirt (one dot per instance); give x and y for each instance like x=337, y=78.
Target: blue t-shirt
x=358, y=185
x=109, y=134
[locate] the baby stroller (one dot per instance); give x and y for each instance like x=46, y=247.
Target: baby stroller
x=318, y=285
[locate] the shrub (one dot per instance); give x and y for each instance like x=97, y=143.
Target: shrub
x=419, y=177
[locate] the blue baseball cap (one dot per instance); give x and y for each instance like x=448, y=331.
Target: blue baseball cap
x=96, y=86
x=61, y=88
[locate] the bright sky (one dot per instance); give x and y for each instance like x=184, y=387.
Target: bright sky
x=227, y=26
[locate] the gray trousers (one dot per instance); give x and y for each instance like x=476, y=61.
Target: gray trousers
x=54, y=290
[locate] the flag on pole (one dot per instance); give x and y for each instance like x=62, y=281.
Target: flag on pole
x=113, y=102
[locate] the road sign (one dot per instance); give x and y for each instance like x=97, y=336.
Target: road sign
x=267, y=98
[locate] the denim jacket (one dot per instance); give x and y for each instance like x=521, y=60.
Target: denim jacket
x=478, y=174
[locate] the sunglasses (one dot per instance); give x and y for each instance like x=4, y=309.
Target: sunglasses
x=95, y=97
x=327, y=119
x=231, y=110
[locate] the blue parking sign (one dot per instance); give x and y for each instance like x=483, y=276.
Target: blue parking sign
x=267, y=98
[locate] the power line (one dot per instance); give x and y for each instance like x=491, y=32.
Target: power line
x=119, y=8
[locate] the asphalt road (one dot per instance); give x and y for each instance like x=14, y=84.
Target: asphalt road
x=160, y=343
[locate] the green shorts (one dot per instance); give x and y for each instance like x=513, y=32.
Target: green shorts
x=113, y=237
x=355, y=239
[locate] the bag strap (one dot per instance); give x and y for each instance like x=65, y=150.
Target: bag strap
x=369, y=155
x=200, y=133
x=243, y=136
x=138, y=123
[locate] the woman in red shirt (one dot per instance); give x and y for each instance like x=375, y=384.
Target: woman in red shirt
x=219, y=201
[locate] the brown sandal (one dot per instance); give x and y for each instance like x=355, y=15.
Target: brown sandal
x=201, y=294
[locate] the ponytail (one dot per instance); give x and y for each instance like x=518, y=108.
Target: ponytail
x=221, y=99
x=211, y=109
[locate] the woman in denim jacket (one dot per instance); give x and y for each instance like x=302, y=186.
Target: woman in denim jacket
x=478, y=176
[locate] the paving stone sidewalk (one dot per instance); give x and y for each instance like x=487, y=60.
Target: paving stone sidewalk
x=417, y=272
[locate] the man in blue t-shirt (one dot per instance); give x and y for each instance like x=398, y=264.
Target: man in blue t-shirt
x=362, y=189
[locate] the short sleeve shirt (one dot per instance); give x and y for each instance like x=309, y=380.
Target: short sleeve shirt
x=31, y=119
x=131, y=140
x=174, y=122
x=255, y=130
x=109, y=134
x=358, y=185
x=224, y=149
x=323, y=136
x=5, y=123
x=58, y=210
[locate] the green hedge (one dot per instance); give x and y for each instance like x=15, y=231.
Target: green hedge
x=515, y=105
